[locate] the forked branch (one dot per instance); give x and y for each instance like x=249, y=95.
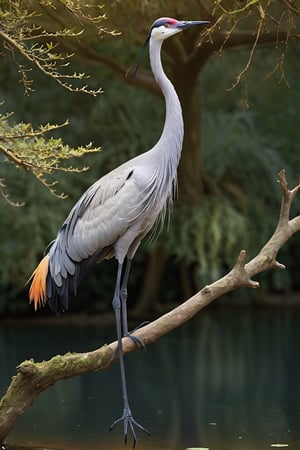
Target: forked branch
x=33, y=378
x=286, y=227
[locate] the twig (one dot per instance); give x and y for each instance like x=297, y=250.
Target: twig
x=17, y=161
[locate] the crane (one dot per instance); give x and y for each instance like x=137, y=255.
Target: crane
x=115, y=214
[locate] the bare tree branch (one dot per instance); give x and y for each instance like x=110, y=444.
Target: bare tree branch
x=292, y=6
x=246, y=38
x=142, y=79
x=33, y=378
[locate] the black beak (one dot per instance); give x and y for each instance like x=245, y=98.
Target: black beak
x=190, y=23
x=180, y=24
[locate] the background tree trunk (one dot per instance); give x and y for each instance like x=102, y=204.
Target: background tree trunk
x=148, y=299
x=191, y=169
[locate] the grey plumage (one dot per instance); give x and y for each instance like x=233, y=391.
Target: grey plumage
x=112, y=217
x=116, y=212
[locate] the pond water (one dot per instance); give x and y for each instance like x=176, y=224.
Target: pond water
x=227, y=380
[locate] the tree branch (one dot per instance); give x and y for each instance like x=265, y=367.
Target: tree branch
x=286, y=227
x=141, y=80
x=46, y=61
x=33, y=378
x=239, y=38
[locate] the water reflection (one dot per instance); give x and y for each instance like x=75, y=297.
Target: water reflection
x=227, y=380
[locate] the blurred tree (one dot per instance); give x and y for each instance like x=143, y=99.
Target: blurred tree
x=210, y=220
x=211, y=210
x=249, y=24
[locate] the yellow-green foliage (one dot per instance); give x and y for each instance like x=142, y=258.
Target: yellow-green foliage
x=26, y=35
x=34, y=151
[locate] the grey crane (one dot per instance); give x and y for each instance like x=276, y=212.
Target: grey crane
x=116, y=212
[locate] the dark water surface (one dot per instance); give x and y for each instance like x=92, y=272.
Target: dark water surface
x=227, y=380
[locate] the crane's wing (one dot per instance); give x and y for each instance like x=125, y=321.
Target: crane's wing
x=100, y=216
x=122, y=203
x=87, y=234
x=103, y=214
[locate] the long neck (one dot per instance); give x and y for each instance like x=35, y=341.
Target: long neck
x=172, y=135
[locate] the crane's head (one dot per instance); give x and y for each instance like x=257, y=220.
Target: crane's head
x=165, y=27
x=160, y=30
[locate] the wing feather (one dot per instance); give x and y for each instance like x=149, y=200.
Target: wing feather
x=109, y=219
x=96, y=222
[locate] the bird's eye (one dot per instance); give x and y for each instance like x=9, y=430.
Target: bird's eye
x=167, y=25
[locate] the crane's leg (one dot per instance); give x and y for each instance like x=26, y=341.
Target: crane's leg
x=123, y=297
x=127, y=415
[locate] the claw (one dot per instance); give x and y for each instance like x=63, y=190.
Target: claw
x=140, y=325
x=135, y=339
x=138, y=343
x=129, y=420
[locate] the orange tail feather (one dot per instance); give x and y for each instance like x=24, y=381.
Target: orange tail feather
x=37, y=291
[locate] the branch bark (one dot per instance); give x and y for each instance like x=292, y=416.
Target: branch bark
x=33, y=378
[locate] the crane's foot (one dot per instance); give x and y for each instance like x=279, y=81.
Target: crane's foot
x=137, y=341
x=129, y=424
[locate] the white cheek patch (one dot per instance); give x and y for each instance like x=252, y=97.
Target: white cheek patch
x=163, y=32
x=157, y=32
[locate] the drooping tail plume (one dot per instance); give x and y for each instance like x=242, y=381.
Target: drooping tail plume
x=37, y=292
